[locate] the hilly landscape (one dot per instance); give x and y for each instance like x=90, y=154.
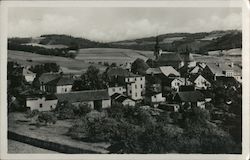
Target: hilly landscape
x=198, y=42
x=75, y=54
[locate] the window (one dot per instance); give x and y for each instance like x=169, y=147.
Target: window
x=120, y=89
x=141, y=78
x=141, y=86
x=41, y=105
x=135, y=94
x=130, y=91
x=65, y=89
x=135, y=86
x=113, y=89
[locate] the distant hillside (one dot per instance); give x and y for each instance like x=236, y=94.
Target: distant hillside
x=199, y=43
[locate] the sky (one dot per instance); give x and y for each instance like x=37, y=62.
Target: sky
x=114, y=24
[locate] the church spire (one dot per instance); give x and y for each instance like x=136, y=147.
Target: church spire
x=157, y=50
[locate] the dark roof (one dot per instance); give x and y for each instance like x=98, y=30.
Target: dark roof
x=122, y=98
x=47, y=96
x=50, y=97
x=47, y=77
x=88, y=95
x=61, y=81
x=189, y=96
x=115, y=95
x=170, y=57
x=117, y=71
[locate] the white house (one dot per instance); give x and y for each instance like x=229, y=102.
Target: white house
x=41, y=103
x=154, y=99
x=28, y=75
x=95, y=99
x=135, y=84
x=174, y=83
x=59, y=85
x=190, y=99
x=200, y=82
x=116, y=89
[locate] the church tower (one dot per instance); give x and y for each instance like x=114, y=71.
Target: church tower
x=157, y=51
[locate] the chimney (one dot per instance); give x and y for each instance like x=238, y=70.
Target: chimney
x=232, y=64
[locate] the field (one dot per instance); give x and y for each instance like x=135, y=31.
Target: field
x=67, y=64
x=119, y=56
x=97, y=57
x=18, y=123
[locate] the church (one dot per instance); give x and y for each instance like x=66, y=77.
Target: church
x=176, y=60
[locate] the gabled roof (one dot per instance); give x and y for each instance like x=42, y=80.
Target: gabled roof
x=165, y=70
x=170, y=80
x=215, y=69
x=153, y=71
x=61, y=81
x=169, y=70
x=115, y=95
x=120, y=98
x=27, y=72
x=117, y=71
x=81, y=96
x=47, y=77
x=170, y=56
x=194, y=77
x=189, y=96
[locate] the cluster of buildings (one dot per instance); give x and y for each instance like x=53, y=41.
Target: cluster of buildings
x=177, y=81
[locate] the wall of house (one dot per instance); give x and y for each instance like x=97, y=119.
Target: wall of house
x=201, y=104
x=30, y=78
x=64, y=89
x=119, y=89
x=136, y=89
x=229, y=73
x=201, y=83
x=41, y=104
x=88, y=103
x=176, y=83
x=157, y=98
x=106, y=103
x=128, y=102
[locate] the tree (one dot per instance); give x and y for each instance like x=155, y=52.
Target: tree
x=139, y=66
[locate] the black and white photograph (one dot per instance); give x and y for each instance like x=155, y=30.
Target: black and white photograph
x=124, y=80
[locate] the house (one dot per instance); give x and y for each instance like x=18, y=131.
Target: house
x=28, y=75
x=174, y=83
x=60, y=85
x=225, y=70
x=55, y=83
x=166, y=71
x=122, y=99
x=197, y=69
x=116, y=89
x=45, y=78
x=190, y=99
x=154, y=99
x=156, y=76
x=200, y=82
x=170, y=59
x=95, y=99
x=41, y=102
x=169, y=107
x=135, y=84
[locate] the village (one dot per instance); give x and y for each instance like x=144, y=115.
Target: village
x=171, y=82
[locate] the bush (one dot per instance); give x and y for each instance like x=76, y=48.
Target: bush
x=47, y=118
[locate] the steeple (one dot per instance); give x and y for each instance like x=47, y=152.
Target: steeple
x=157, y=51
